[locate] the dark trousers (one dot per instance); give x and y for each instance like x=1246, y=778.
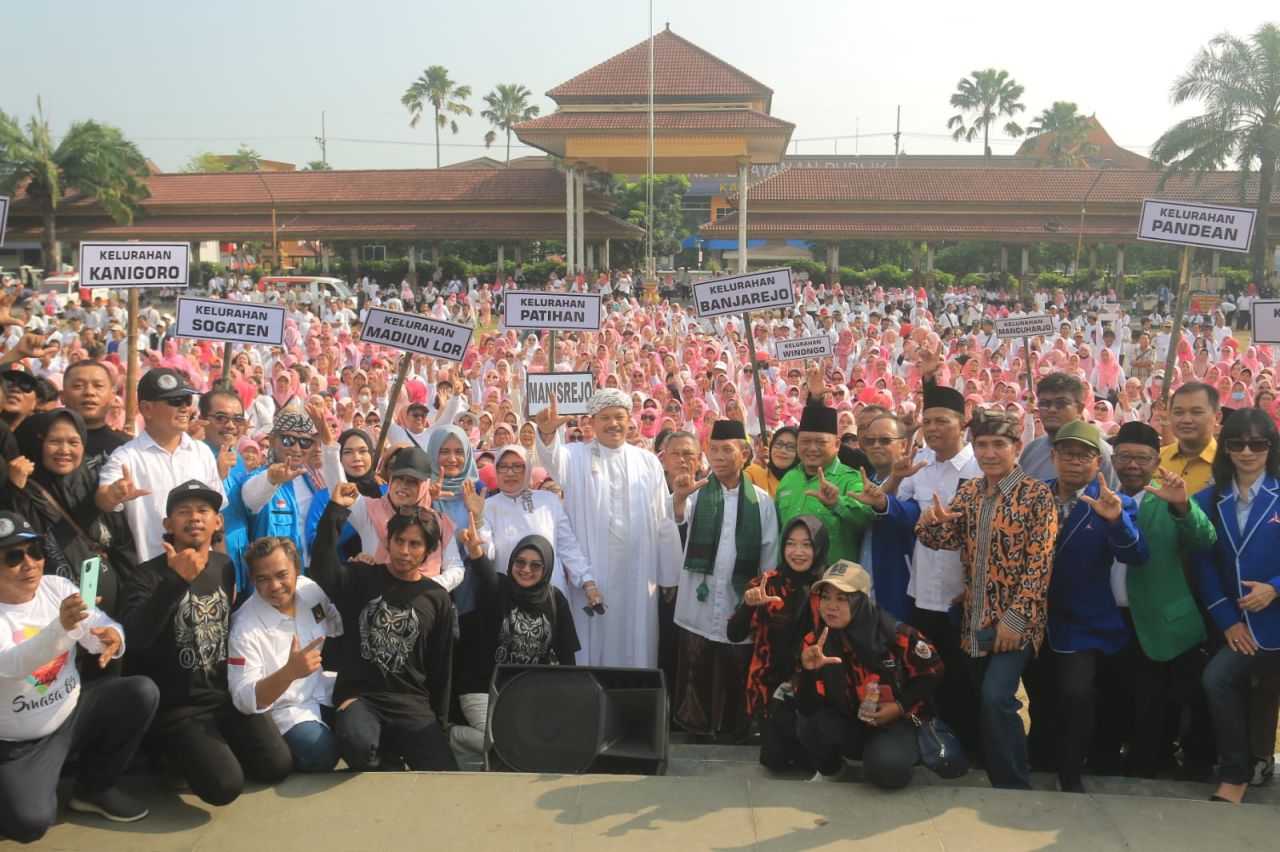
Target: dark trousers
x=887, y=754
x=1226, y=685
x=1167, y=711
x=779, y=745
x=1004, y=740
x=216, y=751
x=367, y=738
x=956, y=698
x=108, y=723
x=1062, y=690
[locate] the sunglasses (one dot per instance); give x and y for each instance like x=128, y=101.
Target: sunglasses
x=575, y=438
x=181, y=402
x=647, y=417
x=224, y=418
x=15, y=555
x=19, y=387
x=1254, y=445
x=875, y=442
x=593, y=610
x=304, y=443
x=418, y=512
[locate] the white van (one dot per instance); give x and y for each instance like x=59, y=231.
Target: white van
x=317, y=287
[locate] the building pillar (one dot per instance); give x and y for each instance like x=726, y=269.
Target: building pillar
x=579, y=227
x=1093, y=258
x=1004, y=258
x=324, y=258
x=744, y=174
x=1119, y=261
x=591, y=257
x=195, y=264
x=501, y=274
x=518, y=254
x=570, y=182
x=605, y=265
x=1213, y=263
x=413, y=259
x=1026, y=260
x=355, y=258
x=928, y=258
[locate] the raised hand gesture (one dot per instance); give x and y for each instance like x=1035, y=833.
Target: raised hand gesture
x=930, y=361
x=324, y=432
x=6, y=302
x=31, y=345
x=304, y=661
x=471, y=541
x=123, y=489
x=904, y=467
x=1172, y=488
x=20, y=469
x=282, y=472
x=188, y=563
x=111, y=642
x=685, y=484
x=1107, y=504
x=938, y=513
x=759, y=596
x=814, y=657
x=226, y=459
x=871, y=494
x=828, y=494
x=344, y=494
x=548, y=420
x=436, y=487
x=816, y=380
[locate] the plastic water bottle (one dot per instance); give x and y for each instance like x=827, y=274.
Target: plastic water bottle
x=870, y=699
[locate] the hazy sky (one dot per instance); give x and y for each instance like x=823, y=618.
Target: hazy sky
x=180, y=78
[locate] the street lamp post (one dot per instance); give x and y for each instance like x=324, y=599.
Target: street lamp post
x=1102, y=167
x=275, y=244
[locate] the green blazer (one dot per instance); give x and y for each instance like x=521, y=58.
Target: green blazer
x=844, y=521
x=1164, y=610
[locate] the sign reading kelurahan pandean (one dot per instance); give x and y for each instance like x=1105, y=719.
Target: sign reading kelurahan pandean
x=572, y=392
x=1205, y=225
x=222, y=319
x=125, y=264
x=416, y=333
x=754, y=291
x=552, y=311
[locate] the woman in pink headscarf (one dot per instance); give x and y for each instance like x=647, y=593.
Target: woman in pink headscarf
x=1104, y=417
x=1108, y=376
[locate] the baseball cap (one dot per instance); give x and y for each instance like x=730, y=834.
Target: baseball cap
x=21, y=378
x=848, y=577
x=14, y=529
x=1081, y=432
x=414, y=463
x=193, y=488
x=163, y=383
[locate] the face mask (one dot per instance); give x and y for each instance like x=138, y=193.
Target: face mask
x=1238, y=395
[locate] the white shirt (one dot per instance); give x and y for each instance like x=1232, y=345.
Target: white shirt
x=39, y=684
x=710, y=618
x=509, y=519
x=151, y=466
x=937, y=576
x=260, y=643
x=1120, y=571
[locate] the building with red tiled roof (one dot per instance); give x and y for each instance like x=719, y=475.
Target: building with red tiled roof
x=1104, y=148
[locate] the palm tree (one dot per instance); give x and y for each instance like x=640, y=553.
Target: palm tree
x=991, y=94
x=317, y=166
x=1068, y=129
x=1239, y=82
x=508, y=106
x=92, y=158
x=446, y=97
x=245, y=159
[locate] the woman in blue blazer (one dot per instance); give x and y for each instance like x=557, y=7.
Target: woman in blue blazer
x=1239, y=582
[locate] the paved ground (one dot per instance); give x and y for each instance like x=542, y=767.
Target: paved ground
x=714, y=798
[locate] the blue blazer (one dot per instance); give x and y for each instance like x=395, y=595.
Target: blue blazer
x=1083, y=615
x=893, y=545
x=1253, y=555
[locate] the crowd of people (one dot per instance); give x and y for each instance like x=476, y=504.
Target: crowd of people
x=900, y=536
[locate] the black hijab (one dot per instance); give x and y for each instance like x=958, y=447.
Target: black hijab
x=795, y=436
x=74, y=492
x=867, y=633
x=367, y=485
x=536, y=598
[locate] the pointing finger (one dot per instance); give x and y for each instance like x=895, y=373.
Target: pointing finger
x=822, y=640
x=168, y=549
x=293, y=646
x=315, y=644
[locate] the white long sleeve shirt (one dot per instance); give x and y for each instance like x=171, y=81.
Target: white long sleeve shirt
x=511, y=519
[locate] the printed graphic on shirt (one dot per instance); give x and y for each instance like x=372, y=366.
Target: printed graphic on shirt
x=200, y=628
x=387, y=635
x=46, y=674
x=523, y=639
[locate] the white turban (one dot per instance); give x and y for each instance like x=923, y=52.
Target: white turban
x=608, y=398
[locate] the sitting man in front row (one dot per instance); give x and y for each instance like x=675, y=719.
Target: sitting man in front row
x=44, y=711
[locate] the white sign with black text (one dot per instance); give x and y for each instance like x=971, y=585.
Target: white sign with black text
x=572, y=392
x=416, y=333
x=1032, y=325
x=1205, y=225
x=552, y=311
x=222, y=319
x=753, y=291
x=4, y=216
x=126, y=264
x=803, y=348
x=1266, y=321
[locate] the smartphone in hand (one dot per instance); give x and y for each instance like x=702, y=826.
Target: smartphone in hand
x=89, y=571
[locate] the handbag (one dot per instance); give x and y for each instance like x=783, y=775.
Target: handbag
x=940, y=748
x=89, y=542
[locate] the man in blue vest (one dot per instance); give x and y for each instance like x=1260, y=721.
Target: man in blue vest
x=281, y=495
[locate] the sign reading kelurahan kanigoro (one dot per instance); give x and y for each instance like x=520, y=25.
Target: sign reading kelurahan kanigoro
x=753, y=291
x=126, y=264
x=416, y=333
x=222, y=319
x=552, y=311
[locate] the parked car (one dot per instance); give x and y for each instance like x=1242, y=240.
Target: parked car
x=316, y=287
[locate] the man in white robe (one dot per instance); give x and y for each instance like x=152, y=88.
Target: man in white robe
x=616, y=498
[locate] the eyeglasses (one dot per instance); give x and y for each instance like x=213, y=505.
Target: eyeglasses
x=417, y=413
x=575, y=438
x=419, y=512
x=1077, y=458
x=224, y=418
x=647, y=417
x=14, y=556
x=1052, y=404
x=1254, y=445
x=535, y=564
x=874, y=442
x=783, y=445
x=304, y=443
x=1126, y=459
x=511, y=468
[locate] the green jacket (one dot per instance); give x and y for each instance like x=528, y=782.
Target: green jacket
x=844, y=521
x=1163, y=607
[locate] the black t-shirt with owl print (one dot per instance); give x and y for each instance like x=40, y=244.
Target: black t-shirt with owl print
x=177, y=633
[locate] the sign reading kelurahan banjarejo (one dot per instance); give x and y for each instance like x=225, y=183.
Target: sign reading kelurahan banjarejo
x=125, y=264
x=222, y=319
x=416, y=333
x=754, y=291
x=552, y=311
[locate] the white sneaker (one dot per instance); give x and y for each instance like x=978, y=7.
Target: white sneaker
x=819, y=778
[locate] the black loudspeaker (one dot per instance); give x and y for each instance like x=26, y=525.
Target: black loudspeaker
x=569, y=719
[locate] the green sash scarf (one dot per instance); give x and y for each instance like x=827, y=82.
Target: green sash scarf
x=704, y=534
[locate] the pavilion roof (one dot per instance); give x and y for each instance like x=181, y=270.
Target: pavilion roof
x=632, y=121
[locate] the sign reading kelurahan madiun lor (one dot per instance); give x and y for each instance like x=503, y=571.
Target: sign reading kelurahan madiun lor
x=126, y=264
x=802, y=348
x=223, y=319
x=416, y=333
x=753, y=291
x=572, y=392
x=552, y=311
x=1204, y=225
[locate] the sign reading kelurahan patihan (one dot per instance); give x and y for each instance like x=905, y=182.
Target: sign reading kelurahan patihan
x=1205, y=225
x=753, y=291
x=124, y=264
x=572, y=392
x=552, y=311
x=1032, y=325
x=802, y=348
x=416, y=333
x=222, y=319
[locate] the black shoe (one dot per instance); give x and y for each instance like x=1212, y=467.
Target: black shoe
x=1264, y=769
x=111, y=803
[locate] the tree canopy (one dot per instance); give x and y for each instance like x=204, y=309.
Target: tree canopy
x=508, y=105
x=446, y=97
x=990, y=95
